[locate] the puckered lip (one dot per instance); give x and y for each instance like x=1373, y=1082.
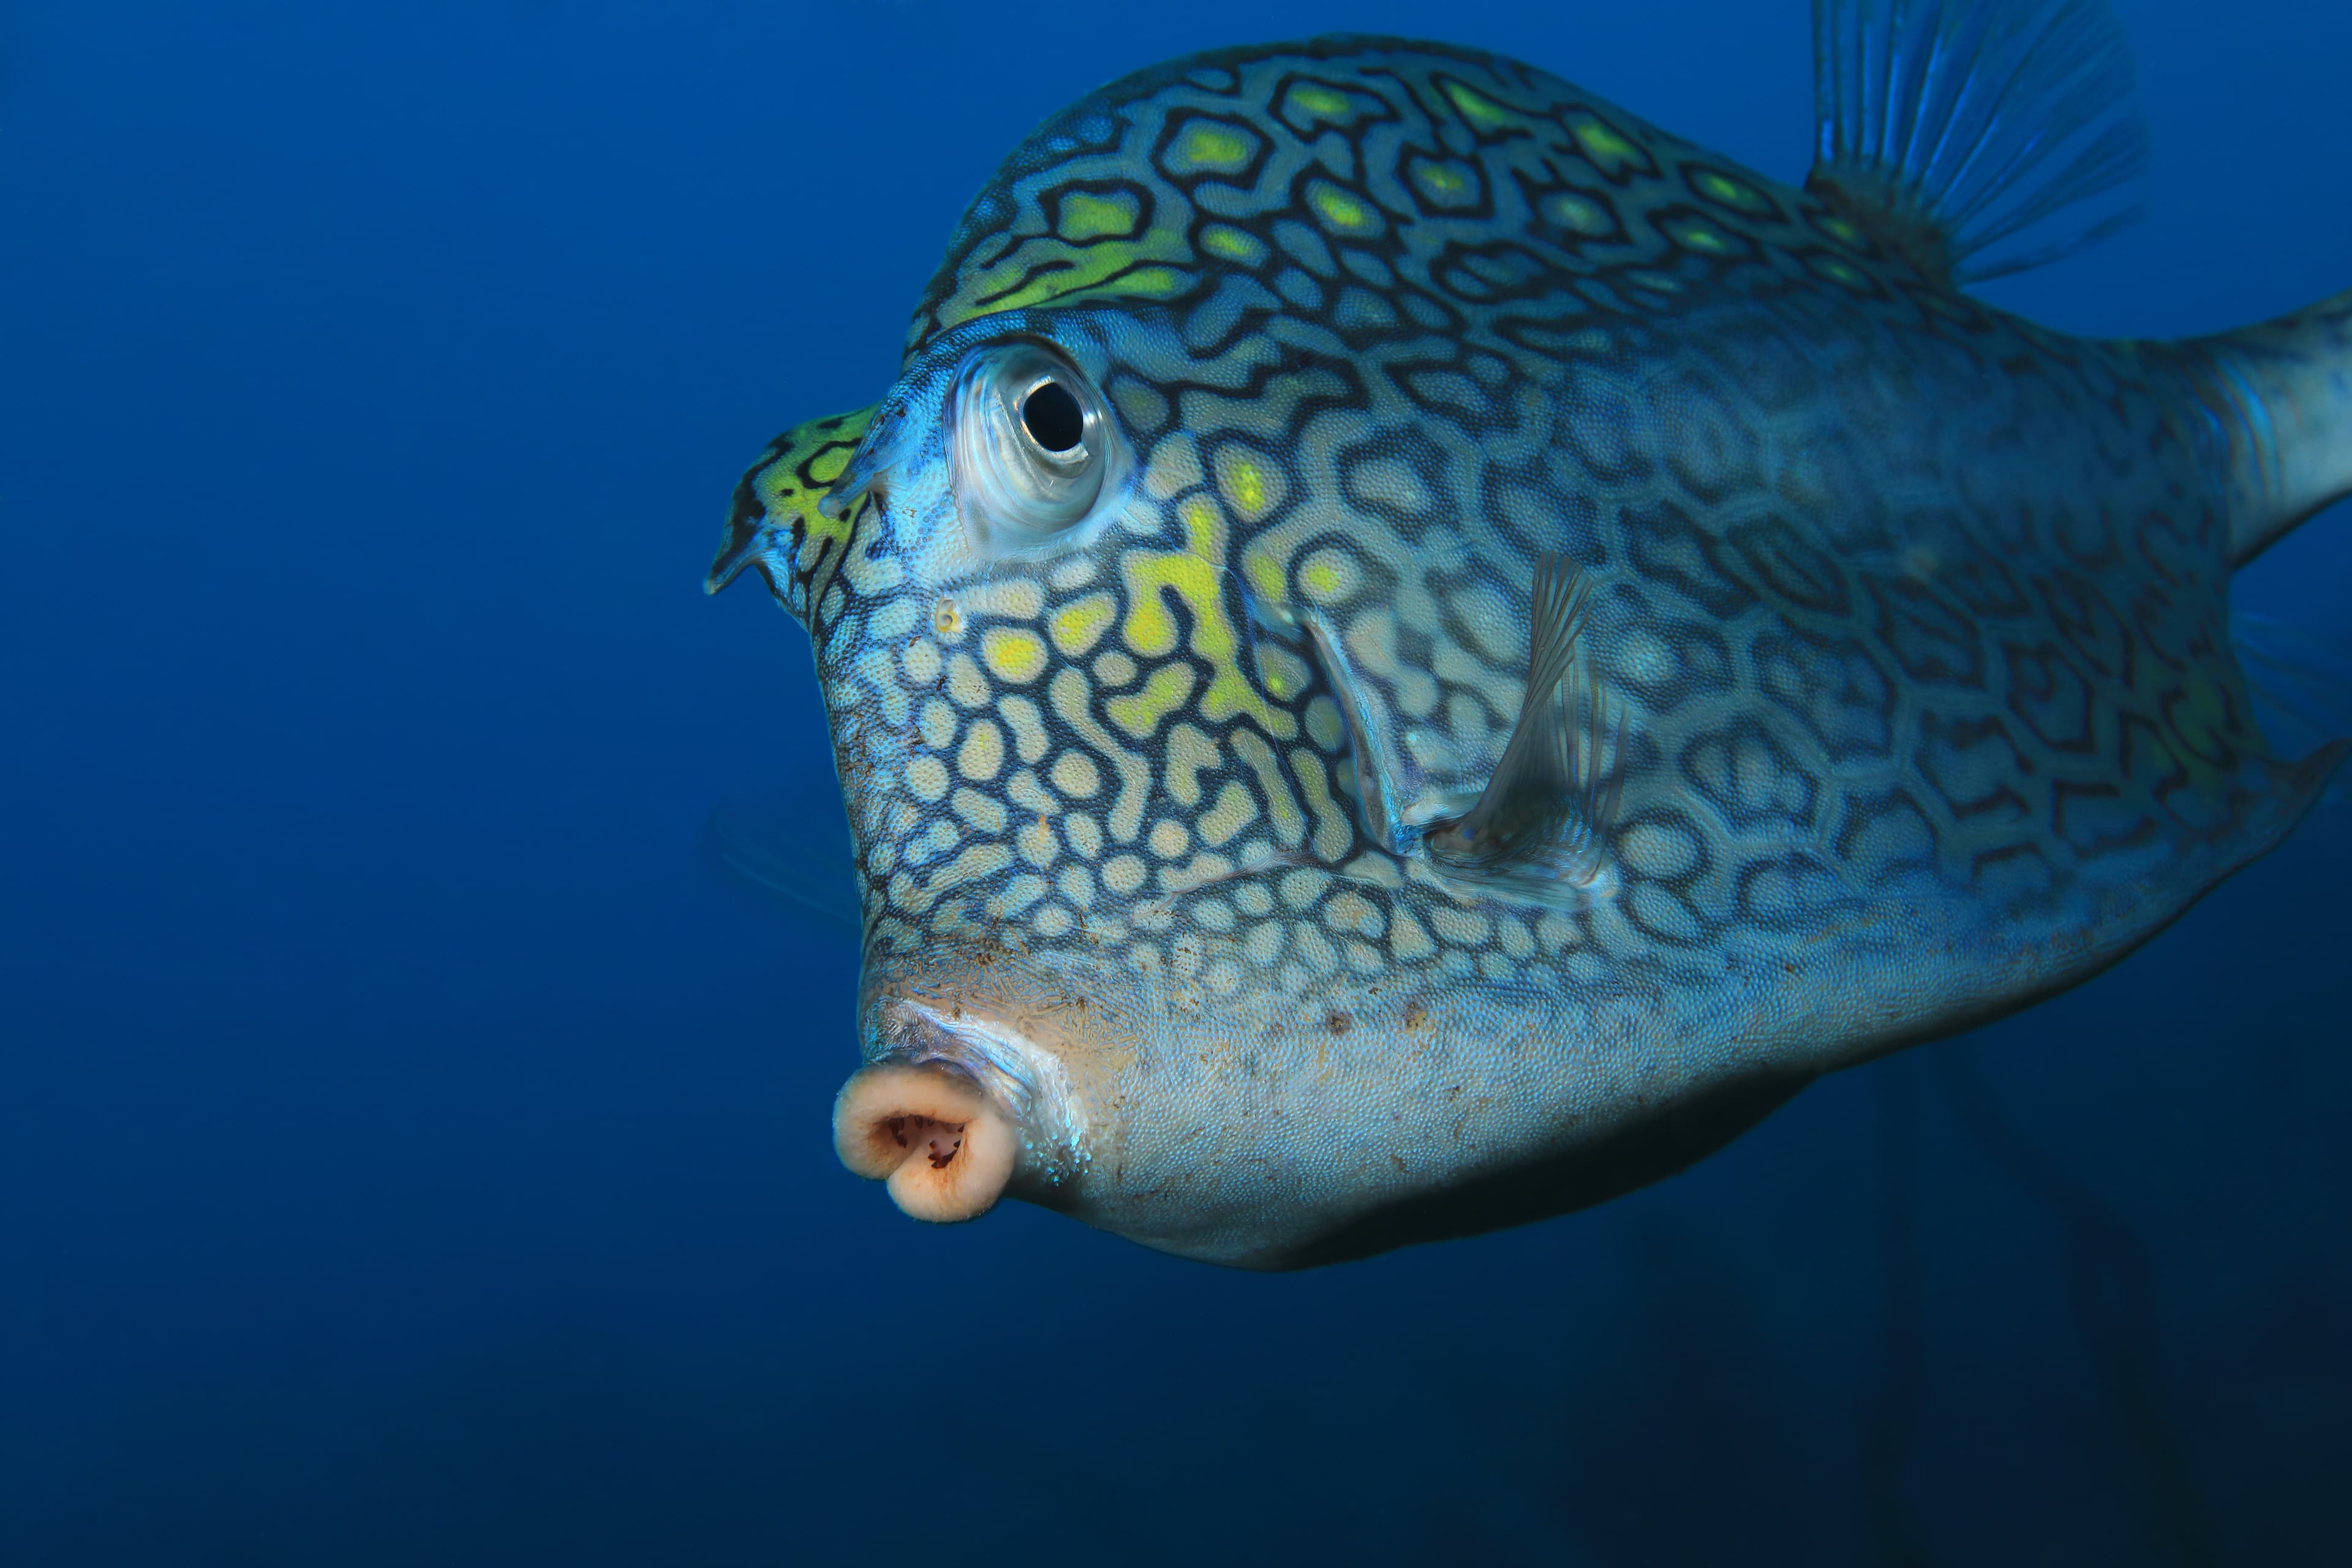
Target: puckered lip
x=1027, y=1083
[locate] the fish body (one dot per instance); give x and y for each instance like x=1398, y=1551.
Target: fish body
x=1411, y=652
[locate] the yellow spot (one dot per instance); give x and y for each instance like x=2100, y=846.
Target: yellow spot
x=808, y=459
x=1695, y=236
x=1204, y=529
x=1099, y=271
x=1246, y=482
x=1838, y=228
x=1123, y=874
x=1140, y=713
x=1150, y=631
x=1075, y=627
x=1014, y=655
x=1232, y=244
x=1250, y=483
x=1476, y=107
x=1265, y=576
x=1341, y=210
x=1085, y=215
x=1084, y=833
x=1729, y=192
x=1838, y=270
x=1169, y=839
x=1605, y=145
x=1150, y=282
x=826, y=466
x=1114, y=669
x=1212, y=146
x=1329, y=575
x=1582, y=213
x=1321, y=102
x=1445, y=185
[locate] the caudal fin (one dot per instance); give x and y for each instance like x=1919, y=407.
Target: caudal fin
x=2279, y=395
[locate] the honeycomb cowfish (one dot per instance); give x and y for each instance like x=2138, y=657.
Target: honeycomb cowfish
x=1410, y=652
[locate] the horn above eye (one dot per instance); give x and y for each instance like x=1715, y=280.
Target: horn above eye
x=1035, y=449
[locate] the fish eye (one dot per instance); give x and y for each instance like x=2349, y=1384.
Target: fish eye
x=1035, y=449
x=1052, y=416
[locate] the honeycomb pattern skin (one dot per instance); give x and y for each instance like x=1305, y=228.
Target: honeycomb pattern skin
x=1918, y=615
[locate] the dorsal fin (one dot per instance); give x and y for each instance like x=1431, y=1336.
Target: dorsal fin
x=1960, y=131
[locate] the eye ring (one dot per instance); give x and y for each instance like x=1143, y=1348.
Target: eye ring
x=1035, y=449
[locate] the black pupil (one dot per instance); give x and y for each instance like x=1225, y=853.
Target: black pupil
x=1055, y=421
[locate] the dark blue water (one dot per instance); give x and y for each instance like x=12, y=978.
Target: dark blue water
x=410, y=1152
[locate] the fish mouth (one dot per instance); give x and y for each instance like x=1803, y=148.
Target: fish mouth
x=946, y=1112
x=931, y=1133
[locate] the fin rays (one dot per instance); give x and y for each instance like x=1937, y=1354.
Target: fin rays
x=1973, y=123
x=1546, y=814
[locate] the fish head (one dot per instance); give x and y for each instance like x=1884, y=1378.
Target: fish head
x=1048, y=687
x=1164, y=609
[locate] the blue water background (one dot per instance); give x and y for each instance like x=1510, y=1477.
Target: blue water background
x=410, y=1151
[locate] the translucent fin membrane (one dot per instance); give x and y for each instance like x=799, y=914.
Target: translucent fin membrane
x=2003, y=128
x=1546, y=811
x=2301, y=683
x=789, y=852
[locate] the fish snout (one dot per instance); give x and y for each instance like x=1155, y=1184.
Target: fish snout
x=957, y=1104
x=945, y=1148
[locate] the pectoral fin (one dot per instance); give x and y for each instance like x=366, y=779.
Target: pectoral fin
x=1549, y=808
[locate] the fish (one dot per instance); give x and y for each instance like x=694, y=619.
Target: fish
x=1411, y=653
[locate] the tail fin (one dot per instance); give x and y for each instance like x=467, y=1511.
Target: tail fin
x=2281, y=396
